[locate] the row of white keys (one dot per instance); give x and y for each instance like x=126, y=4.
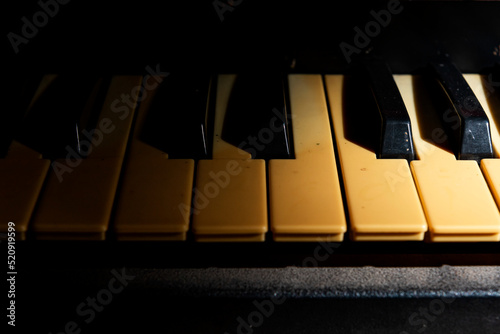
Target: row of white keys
x=230, y=197
x=230, y=192
x=230, y=202
x=77, y=203
x=455, y=196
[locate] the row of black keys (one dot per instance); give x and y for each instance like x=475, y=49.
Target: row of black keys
x=180, y=121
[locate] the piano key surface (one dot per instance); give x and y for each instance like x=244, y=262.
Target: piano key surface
x=305, y=197
x=159, y=197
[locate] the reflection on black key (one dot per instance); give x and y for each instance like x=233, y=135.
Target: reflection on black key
x=396, y=140
x=464, y=119
x=63, y=115
x=178, y=119
x=257, y=117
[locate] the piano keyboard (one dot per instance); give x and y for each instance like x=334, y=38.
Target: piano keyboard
x=252, y=157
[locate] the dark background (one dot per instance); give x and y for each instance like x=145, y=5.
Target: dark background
x=185, y=36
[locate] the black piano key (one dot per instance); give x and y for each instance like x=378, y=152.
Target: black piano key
x=464, y=119
x=20, y=89
x=396, y=141
x=63, y=115
x=178, y=120
x=89, y=116
x=362, y=121
x=257, y=118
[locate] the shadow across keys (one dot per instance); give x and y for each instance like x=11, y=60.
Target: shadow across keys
x=426, y=93
x=178, y=122
x=362, y=122
x=257, y=117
